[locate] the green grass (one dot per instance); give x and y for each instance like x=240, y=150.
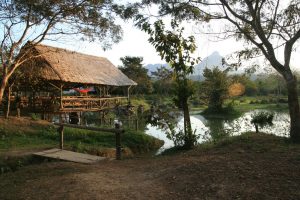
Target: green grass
x=248, y=107
x=19, y=137
x=14, y=138
x=251, y=141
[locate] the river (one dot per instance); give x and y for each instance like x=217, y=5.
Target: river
x=214, y=129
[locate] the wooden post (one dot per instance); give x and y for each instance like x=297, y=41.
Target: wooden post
x=18, y=112
x=118, y=142
x=61, y=96
x=61, y=136
x=128, y=94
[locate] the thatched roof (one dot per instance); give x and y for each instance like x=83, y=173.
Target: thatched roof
x=69, y=66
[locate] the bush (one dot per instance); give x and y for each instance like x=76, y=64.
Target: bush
x=282, y=100
x=262, y=119
x=264, y=101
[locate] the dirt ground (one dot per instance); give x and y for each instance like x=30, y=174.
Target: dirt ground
x=252, y=168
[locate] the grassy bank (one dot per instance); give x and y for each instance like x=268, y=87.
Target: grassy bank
x=19, y=137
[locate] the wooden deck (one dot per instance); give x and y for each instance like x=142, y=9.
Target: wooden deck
x=70, y=103
x=70, y=156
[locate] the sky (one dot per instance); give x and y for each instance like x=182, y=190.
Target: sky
x=134, y=43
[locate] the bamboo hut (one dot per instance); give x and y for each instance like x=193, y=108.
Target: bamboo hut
x=56, y=80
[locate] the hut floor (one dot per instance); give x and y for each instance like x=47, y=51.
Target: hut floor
x=70, y=156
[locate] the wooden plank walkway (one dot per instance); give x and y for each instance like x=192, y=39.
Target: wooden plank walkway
x=70, y=156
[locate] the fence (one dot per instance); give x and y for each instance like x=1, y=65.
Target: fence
x=117, y=130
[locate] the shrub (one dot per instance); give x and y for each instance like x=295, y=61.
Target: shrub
x=262, y=119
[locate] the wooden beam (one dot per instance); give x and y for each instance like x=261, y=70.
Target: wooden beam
x=111, y=130
x=61, y=94
x=128, y=93
x=57, y=87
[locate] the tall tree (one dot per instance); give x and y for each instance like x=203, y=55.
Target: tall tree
x=133, y=68
x=163, y=83
x=215, y=88
x=176, y=50
x=264, y=25
x=35, y=21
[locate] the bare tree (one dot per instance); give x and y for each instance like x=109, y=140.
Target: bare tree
x=22, y=21
x=265, y=25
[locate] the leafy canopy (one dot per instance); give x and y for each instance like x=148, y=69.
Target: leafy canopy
x=133, y=68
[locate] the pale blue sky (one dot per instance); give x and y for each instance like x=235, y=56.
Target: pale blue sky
x=135, y=43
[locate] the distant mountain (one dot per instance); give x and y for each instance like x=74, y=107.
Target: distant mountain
x=154, y=67
x=211, y=61
x=215, y=59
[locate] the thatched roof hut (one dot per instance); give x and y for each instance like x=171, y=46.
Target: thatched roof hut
x=68, y=66
x=43, y=82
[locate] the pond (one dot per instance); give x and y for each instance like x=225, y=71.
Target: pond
x=213, y=129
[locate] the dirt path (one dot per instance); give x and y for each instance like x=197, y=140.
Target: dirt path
x=231, y=171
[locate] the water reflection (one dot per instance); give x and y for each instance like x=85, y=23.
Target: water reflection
x=218, y=128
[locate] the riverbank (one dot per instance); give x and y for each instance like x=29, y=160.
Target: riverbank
x=251, y=166
x=19, y=137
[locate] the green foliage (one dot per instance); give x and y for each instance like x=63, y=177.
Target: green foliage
x=133, y=68
x=264, y=26
x=30, y=22
x=164, y=82
x=164, y=117
x=34, y=116
x=271, y=84
x=176, y=50
x=91, y=19
x=46, y=136
x=183, y=91
x=215, y=88
x=262, y=119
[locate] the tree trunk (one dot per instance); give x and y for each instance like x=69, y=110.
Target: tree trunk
x=293, y=109
x=189, y=141
x=8, y=103
x=256, y=128
x=2, y=88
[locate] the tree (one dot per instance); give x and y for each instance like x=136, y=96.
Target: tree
x=176, y=50
x=264, y=25
x=215, y=88
x=22, y=21
x=245, y=80
x=133, y=68
x=262, y=119
x=270, y=84
x=163, y=83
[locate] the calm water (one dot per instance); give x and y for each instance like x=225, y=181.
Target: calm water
x=217, y=128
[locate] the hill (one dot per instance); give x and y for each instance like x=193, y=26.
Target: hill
x=213, y=60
